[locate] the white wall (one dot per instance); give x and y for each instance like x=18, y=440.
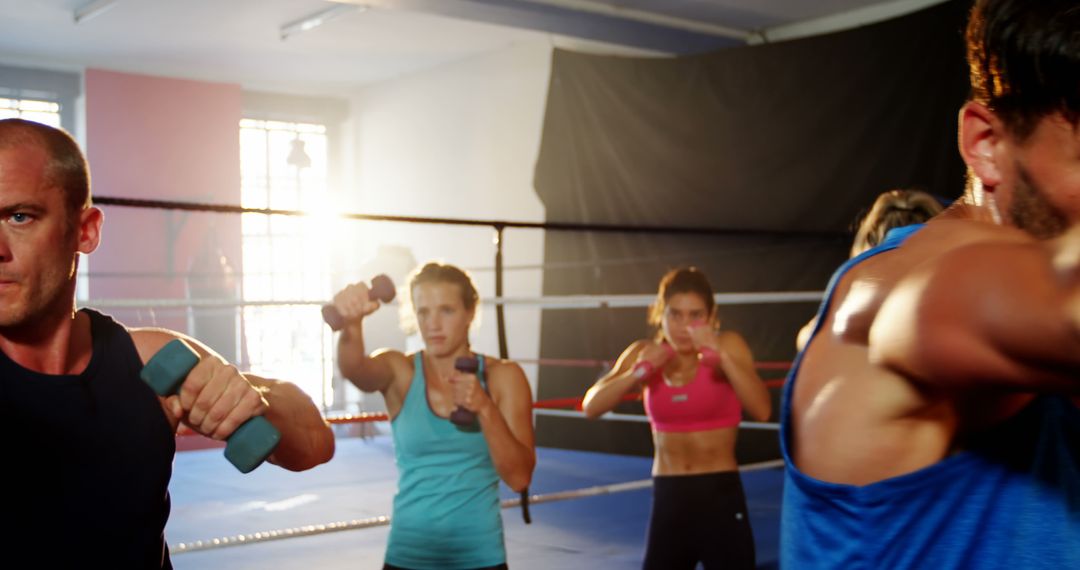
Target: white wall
x=459, y=141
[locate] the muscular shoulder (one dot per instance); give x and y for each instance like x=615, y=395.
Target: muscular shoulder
x=947, y=247
x=401, y=366
x=732, y=338
x=498, y=368
x=148, y=341
x=734, y=344
x=861, y=291
x=505, y=376
x=942, y=236
x=938, y=238
x=628, y=356
x=398, y=361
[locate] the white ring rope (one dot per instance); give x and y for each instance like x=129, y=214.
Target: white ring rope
x=545, y=302
x=640, y=418
x=309, y=530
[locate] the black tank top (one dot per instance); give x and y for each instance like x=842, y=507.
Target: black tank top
x=87, y=463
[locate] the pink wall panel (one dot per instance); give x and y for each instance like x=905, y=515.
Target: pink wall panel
x=161, y=138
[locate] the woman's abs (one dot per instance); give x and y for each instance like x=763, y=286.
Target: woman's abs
x=691, y=453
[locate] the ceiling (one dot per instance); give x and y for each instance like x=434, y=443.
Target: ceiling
x=239, y=41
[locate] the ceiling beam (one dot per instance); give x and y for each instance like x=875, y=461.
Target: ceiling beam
x=843, y=21
x=91, y=9
x=579, y=19
x=312, y=21
x=613, y=11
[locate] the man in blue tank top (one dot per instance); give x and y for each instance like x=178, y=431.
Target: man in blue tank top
x=91, y=447
x=932, y=420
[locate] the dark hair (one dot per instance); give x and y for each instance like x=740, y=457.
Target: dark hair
x=682, y=280
x=1024, y=60
x=893, y=209
x=66, y=167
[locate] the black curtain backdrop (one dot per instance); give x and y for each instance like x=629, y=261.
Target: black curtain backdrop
x=783, y=145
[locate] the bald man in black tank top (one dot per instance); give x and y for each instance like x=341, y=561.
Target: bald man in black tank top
x=90, y=445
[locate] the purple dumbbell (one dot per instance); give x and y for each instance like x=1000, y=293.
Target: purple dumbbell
x=382, y=289
x=462, y=417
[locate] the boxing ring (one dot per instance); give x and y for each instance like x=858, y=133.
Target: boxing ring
x=589, y=509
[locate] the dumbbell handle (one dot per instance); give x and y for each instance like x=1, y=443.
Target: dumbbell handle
x=461, y=416
x=382, y=289
x=249, y=445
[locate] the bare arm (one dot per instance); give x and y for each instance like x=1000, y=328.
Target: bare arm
x=610, y=389
x=216, y=399
x=507, y=425
x=373, y=373
x=987, y=314
x=306, y=438
x=737, y=364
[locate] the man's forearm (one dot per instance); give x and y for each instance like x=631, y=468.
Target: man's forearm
x=306, y=438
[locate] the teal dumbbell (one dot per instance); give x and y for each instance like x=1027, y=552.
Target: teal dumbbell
x=249, y=445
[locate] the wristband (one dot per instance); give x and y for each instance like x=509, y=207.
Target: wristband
x=708, y=358
x=643, y=370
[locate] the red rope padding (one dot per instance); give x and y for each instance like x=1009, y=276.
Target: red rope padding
x=776, y=383
x=358, y=418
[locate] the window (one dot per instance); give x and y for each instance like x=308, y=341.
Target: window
x=285, y=258
x=46, y=112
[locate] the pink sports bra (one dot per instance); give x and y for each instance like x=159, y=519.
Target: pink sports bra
x=707, y=402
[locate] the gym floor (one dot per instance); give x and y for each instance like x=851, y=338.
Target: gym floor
x=605, y=532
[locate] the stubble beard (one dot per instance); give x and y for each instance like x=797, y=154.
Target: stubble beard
x=53, y=295
x=1032, y=212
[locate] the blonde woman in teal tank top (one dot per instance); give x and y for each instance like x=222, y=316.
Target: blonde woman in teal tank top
x=446, y=511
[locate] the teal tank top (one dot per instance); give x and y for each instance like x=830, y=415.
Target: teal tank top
x=1010, y=500
x=446, y=510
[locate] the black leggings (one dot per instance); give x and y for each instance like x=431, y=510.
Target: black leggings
x=699, y=518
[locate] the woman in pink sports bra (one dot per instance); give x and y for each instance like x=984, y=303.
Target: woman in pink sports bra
x=696, y=380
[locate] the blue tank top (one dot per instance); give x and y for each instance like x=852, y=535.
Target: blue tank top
x=88, y=459
x=1011, y=499
x=446, y=510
